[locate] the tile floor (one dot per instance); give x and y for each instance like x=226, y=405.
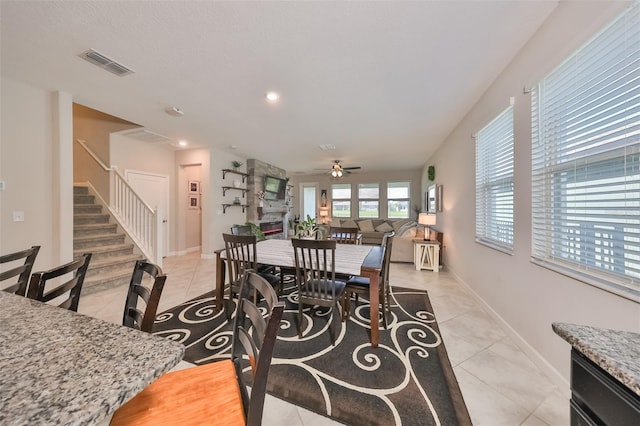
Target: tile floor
x=500, y=385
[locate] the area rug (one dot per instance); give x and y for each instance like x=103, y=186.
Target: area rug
x=407, y=380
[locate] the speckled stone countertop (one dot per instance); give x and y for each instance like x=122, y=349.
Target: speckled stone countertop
x=616, y=352
x=59, y=367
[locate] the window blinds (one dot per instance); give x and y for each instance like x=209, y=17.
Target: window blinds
x=586, y=160
x=494, y=182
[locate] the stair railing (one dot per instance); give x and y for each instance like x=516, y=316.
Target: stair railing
x=140, y=221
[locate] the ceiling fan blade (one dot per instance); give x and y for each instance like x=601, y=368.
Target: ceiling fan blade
x=352, y=168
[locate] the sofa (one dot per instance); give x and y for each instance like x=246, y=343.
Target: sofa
x=373, y=230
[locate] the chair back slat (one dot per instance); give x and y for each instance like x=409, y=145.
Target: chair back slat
x=22, y=272
x=39, y=290
x=255, y=336
x=344, y=235
x=143, y=296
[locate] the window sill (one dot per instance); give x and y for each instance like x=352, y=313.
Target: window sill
x=600, y=283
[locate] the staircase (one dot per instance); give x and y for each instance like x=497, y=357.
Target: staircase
x=93, y=232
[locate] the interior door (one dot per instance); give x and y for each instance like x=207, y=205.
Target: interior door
x=309, y=197
x=154, y=190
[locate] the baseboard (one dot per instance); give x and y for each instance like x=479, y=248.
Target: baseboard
x=547, y=369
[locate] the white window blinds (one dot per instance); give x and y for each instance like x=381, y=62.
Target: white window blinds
x=586, y=161
x=494, y=183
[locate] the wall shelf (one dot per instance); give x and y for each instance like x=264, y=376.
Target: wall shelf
x=226, y=188
x=235, y=172
x=224, y=207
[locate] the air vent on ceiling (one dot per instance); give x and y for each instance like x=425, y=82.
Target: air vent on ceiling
x=145, y=135
x=106, y=63
x=327, y=147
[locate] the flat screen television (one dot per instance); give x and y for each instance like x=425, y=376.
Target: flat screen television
x=274, y=188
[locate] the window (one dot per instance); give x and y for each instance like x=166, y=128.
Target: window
x=341, y=200
x=398, y=200
x=586, y=161
x=494, y=183
x=368, y=200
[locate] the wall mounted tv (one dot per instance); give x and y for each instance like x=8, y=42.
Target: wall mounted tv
x=274, y=188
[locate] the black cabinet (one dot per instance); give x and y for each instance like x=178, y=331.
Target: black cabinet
x=597, y=398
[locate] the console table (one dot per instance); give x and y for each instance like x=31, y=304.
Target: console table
x=426, y=254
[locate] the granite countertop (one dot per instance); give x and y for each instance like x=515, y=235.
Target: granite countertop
x=616, y=352
x=60, y=367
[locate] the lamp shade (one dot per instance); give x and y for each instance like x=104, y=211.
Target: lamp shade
x=427, y=219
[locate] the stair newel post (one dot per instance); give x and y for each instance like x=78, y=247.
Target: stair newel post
x=159, y=214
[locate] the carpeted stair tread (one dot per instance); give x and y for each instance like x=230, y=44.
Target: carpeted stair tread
x=105, y=249
x=107, y=281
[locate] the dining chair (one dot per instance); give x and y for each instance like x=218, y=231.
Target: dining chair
x=358, y=285
x=246, y=230
x=344, y=235
x=240, y=251
x=316, y=278
x=217, y=393
x=143, y=296
x=23, y=271
x=39, y=280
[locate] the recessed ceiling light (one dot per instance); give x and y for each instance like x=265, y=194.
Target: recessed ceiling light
x=182, y=143
x=272, y=96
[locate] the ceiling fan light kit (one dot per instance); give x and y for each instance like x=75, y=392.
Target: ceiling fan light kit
x=337, y=170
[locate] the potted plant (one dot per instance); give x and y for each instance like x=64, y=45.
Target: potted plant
x=236, y=164
x=307, y=229
x=255, y=230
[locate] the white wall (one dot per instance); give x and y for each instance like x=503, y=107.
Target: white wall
x=526, y=297
x=26, y=167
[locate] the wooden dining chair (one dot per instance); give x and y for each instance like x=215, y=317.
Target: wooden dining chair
x=38, y=285
x=240, y=251
x=316, y=278
x=343, y=235
x=246, y=230
x=22, y=271
x=358, y=285
x=217, y=393
x=143, y=296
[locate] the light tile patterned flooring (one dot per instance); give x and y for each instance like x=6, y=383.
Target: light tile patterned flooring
x=500, y=385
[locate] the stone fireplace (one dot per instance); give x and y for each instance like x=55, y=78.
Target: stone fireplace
x=273, y=211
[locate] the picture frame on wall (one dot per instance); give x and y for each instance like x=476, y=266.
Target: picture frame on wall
x=194, y=201
x=194, y=187
x=433, y=198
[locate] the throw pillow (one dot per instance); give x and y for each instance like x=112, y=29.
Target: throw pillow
x=349, y=224
x=365, y=225
x=384, y=227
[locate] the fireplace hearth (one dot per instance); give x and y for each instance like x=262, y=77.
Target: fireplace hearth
x=272, y=229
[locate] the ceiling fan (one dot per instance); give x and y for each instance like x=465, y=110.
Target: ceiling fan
x=337, y=170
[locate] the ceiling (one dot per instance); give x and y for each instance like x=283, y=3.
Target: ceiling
x=384, y=82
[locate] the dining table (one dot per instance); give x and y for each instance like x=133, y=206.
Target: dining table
x=350, y=259
x=64, y=368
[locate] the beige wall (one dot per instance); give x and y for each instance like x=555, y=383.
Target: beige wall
x=525, y=297
x=127, y=153
x=26, y=168
x=95, y=128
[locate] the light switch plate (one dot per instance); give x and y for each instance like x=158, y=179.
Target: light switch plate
x=18, y=216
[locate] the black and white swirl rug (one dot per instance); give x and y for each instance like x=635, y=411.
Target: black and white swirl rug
x=407, y=380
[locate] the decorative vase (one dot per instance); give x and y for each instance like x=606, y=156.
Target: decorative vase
x=236, y=201
x=236, y=183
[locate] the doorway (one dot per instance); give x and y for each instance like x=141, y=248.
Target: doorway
x=309, y=197
x=154, y=190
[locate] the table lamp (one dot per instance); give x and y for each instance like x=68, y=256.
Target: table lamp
x=427, y=220
x=323, y=215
